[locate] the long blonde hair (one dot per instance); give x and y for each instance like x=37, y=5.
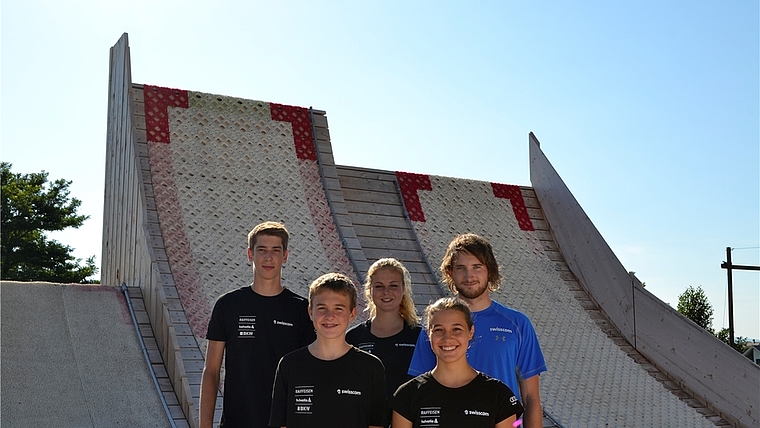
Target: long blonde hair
x=406, y=309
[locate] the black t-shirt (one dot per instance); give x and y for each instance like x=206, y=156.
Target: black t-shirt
x=395, y=351
x=257, y=331
x=483, y=402
x=347, y=392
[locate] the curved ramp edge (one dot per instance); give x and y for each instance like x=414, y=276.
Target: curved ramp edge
x=694, y=359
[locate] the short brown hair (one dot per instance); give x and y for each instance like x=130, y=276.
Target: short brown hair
x=336, y=282
x=476, y=246
x=271, y=228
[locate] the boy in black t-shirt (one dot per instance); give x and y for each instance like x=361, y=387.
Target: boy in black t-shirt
x=255, y=326
x=330, y=383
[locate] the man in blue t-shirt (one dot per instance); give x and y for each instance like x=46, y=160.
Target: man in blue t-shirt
x=505, y=345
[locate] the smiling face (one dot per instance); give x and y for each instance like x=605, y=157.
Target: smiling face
x=331, y=313
x=387, y=289
x=450, y=335
x=267, y=257
x=470, y=277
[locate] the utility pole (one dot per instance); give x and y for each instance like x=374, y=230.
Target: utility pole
x=729, y=268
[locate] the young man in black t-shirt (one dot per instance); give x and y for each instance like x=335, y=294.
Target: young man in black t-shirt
x=255, y=326
x=330, y=383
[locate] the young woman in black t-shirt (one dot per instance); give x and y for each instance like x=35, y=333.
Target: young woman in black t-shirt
x=391, y=331
x=453, y=393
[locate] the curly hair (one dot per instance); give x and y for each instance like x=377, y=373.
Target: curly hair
x=407, y=309
x=476, y=246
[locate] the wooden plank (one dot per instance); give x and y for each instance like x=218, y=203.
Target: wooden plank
x=375, y=209
x=544, y=235
x=322, y=134
x=388, y=244
x=371, y=197
x=328, y=171
x=319, y=121
x=405, y=256
x=384, y=232
x=422, y=278
x=370, y=174
x=332, y=184
x=535, y=214
x=373, y=220
x=360, y=183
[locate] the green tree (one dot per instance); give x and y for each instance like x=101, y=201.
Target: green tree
x=30, y=207
x=694, y=305
x=741, y=343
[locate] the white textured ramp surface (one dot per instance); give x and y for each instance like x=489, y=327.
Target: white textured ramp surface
x=229, y=165
x=590, y=381
x=71, y=358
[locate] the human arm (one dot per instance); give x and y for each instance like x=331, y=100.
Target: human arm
x=380, y=412
x=278, y=414
x=506, y=423
x=399, y=421
x=210, y=382
x=423, y=359
x=529, y=391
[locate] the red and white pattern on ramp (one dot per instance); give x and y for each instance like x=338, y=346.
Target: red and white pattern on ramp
x=584, y=365
x=228, y=165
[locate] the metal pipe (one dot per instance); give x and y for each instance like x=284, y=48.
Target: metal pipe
x=730, y=297
x=147, y=357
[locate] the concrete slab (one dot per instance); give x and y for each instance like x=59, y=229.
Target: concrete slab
x=70, y=357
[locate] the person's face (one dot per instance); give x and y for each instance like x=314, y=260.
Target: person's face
x=331, y=313
x=450, y=335
x=470, y=276
x=387, y=289
x=267, y=256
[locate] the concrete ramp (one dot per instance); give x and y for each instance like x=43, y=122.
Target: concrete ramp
x=71, y=358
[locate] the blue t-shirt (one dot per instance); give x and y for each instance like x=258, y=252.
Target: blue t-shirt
x=505, y=347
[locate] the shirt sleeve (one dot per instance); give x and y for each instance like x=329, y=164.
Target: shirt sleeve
x=216, y=328
x=508, y=404
x=308, y=334
x=352, y=333
x=279, y=412
x=401, y=402
x=530, y=359
x=423, y=359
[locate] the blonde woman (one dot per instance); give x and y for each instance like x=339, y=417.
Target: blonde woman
x=390, y=333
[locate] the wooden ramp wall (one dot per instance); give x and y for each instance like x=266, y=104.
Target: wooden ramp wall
x=133, y=252
x=695, y=359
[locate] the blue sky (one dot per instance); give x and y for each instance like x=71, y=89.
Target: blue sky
x=649, y=110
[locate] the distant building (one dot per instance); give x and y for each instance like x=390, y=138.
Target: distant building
x=753, y=353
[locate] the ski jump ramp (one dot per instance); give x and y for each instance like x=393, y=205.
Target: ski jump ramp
x=188, y=174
